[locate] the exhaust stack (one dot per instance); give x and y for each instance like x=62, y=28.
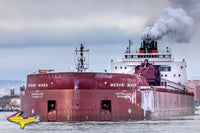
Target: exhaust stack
x=148, y=45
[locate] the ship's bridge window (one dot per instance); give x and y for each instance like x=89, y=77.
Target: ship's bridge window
x=115, y=67
x=166, y=56
x=125, y=67
x=160, y=56
x=121, y=67
x=165, y=68
x=181, y=67
x=128, y=56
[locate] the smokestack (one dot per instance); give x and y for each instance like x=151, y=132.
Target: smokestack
x=156, y=45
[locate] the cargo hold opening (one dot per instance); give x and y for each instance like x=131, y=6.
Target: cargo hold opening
x=106, y=105
x=51, y=105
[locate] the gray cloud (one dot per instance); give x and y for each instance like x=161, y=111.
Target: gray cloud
x=51, y=9
x=49, y=22
x=42, y=34
x=192, y=7
x=36, y=38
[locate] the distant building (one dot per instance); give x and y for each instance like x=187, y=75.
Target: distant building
x=10, y=102
x=198, y=94
x=194, y=86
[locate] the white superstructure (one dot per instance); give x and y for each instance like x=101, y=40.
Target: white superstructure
x=173, y=73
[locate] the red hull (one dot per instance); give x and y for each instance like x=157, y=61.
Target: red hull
x=83, y=96
x=100, y=96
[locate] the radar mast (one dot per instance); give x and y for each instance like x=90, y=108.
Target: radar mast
x=81, y=62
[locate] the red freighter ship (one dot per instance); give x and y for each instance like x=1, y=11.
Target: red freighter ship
x=92, y=96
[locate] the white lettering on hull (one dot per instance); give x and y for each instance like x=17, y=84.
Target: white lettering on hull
x=122, y=85
x=37, y=94
x=127, y=95
x=38, y=85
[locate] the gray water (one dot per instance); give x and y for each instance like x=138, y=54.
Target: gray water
x=184, y=124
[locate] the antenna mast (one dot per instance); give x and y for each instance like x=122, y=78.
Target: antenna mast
x=81, y=64
x=128, y=50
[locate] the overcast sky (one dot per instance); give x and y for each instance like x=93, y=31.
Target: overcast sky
x=42, y=34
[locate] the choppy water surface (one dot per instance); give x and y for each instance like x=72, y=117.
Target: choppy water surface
x=185, y=124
